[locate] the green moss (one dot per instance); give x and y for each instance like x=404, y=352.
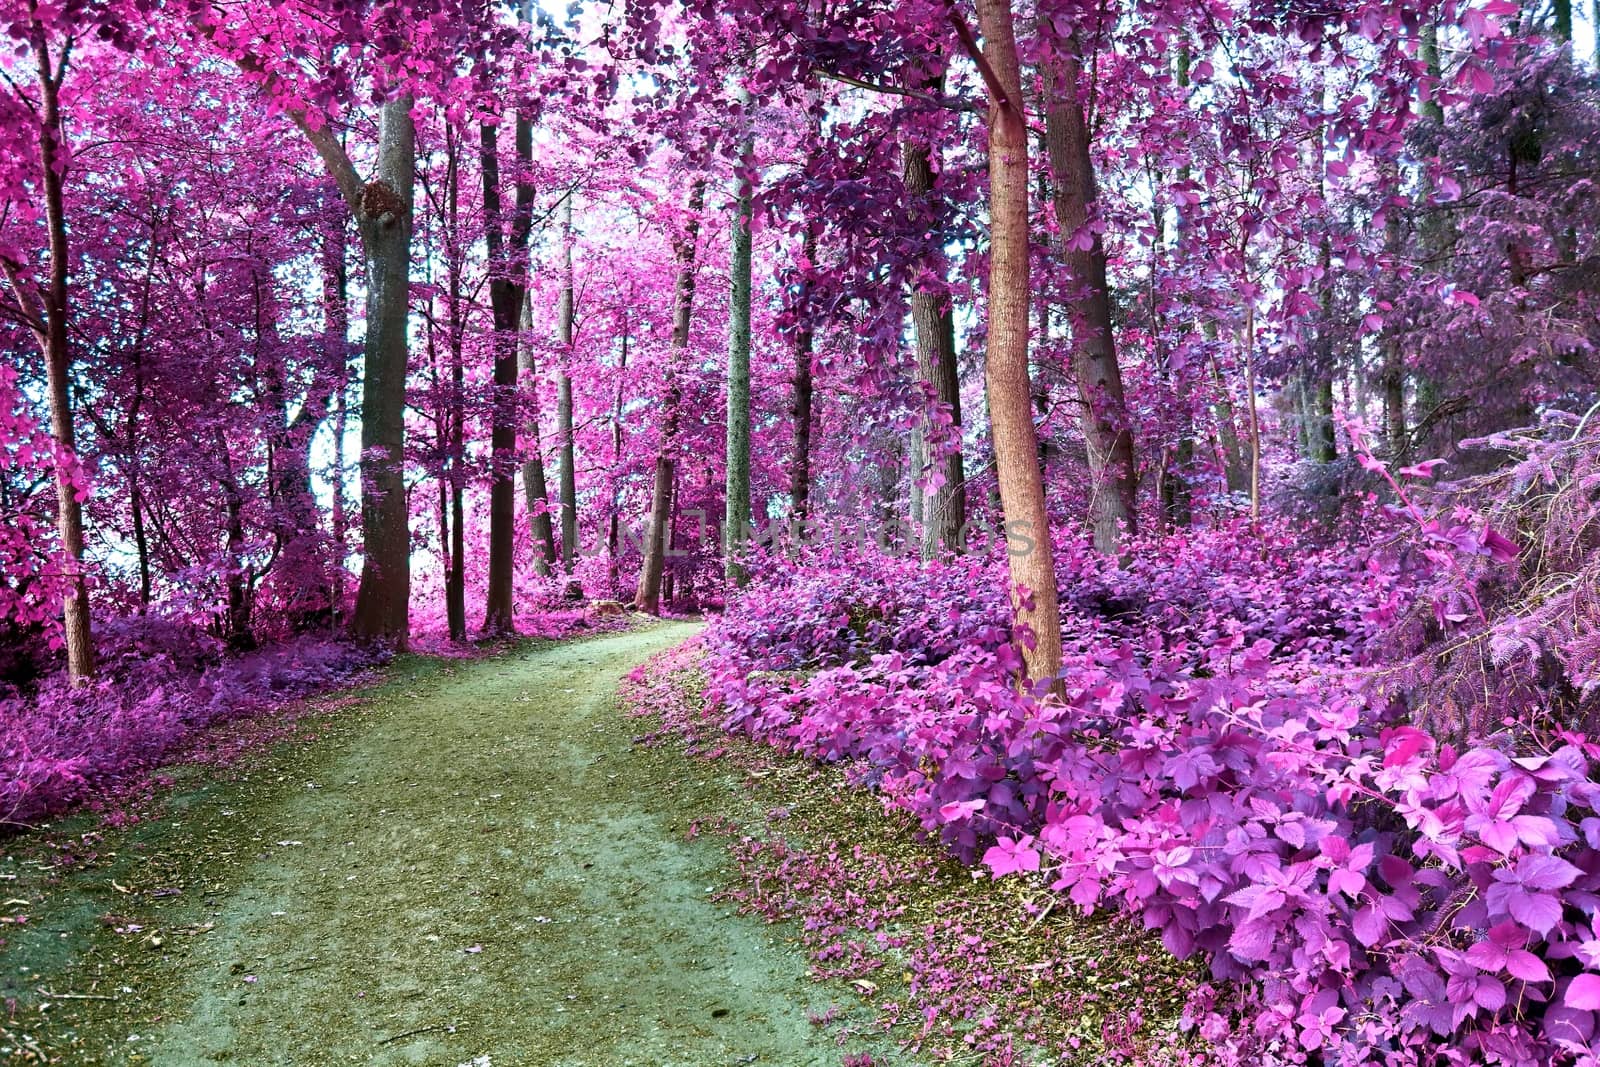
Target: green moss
x=472, y=860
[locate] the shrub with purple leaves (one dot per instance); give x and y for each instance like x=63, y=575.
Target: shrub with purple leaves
x=1361, y=893
x=162, y=683
x=843, y=608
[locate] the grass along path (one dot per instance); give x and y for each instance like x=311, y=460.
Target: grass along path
x=482, y=870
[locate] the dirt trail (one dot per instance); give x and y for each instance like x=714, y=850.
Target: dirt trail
x=486, y=872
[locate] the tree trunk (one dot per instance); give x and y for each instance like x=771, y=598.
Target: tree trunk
x=800, y=460
x=943, y=513
x=507, y=294
x=669, y=580
x=1324, y=439
x=569, y=459
x=536, y=494
x=1029, y=549
x=648, y=596
x=1248, y=342
x=614, y=524
x=1106, y=427
x=386, y=220
x=58, y=364
x=136, y=501
x=336, y=341
x=237, y=579
x=736, y=517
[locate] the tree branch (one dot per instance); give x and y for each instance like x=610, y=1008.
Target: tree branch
x=970, y=43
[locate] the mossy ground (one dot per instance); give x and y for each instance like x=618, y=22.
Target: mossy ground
x=471, y=860
x=473, y=863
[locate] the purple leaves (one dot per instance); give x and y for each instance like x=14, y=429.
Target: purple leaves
x=1299, y=842
x=1521, y=890
x=1583, y=992
x=1503, y=950
x=1012, y=856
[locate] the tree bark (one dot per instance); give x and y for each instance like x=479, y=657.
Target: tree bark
x=943, y=513
x=385, y=219
x=614, y=524
x=569, y=459
x=736, y=517
x=1106, y=427
x=452, y=412
x=507, y=294
x=536, y=494
x=1029, y=550
x=648, y=596
x=800, y=460
x=336, y=341
x=56, y=349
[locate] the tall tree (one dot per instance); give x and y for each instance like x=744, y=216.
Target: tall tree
x=804, y=388
x=1016, y=446
x=535, y=492
x=942, y=514
x=383, y=209
x=1106, y=430
x=648, y=596
x=47, y=309
x=569, y=454
x=736, y=518
x=508, y=289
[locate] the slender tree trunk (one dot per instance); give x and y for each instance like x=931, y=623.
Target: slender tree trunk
x=800, y=460
x=614, y=525
x=1106, y=426
x=136, y=502
x=335, y=340
x=669, y=581
x=448, y=390
x=58, y=362
x=237, y=583
x=1029, y=549
x=1249, y=345
x=569, y=458
x=943, y=514
x=386, y=221
x=1324, y=440
x=648, y=596
x=536, y=494
x=736, y=518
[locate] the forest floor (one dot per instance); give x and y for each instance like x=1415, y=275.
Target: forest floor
x=469, y=863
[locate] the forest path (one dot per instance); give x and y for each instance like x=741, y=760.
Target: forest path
x=487, y=873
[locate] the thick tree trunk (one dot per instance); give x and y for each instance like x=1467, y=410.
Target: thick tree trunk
x=383, y=599
x=648, y=596
x=58, y=364
x=1106, y=428
x=1029, y=549
x=507, y=294
x=736, y=517
x=943, y=513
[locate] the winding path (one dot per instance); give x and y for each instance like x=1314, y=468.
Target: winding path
x=488, y=873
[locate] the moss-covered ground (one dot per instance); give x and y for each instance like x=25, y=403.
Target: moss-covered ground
x=469, y=863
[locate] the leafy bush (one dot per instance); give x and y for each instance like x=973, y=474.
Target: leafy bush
x=1361, y=893
x=162, y=682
